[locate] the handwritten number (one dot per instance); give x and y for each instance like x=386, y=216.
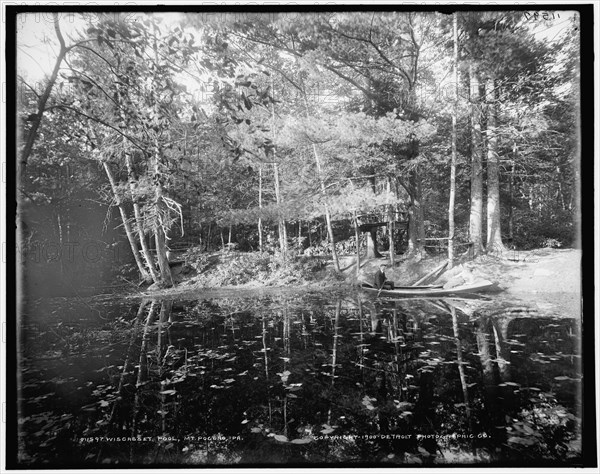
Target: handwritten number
x=544, y=15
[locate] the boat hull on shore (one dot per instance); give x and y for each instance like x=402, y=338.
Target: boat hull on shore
x=404, y=291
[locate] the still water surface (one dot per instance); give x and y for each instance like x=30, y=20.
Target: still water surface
x=297, y=379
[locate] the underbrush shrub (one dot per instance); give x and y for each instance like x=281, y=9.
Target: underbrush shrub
x=268, y=269
x=342, y=247
x=550, y=231
x=196, y=258
x=242, y=268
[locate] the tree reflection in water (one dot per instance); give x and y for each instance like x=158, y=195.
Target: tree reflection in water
x=304, y=380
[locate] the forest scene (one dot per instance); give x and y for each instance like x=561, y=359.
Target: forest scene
x=341, y=238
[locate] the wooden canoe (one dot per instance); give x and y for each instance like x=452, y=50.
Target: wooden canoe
x=476, y=287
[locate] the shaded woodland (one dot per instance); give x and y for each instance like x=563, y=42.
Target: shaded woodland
x=291, y=134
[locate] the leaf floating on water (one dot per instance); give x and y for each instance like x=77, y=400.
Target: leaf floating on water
x=403, y=405
x=513, y=384
x=291, y=395
x=562, y=377
x=168, y=392
x=244, y=422
x=302, y=441
x=281, y=438
x=255, y=430
x=229, y=380
x=366, y=401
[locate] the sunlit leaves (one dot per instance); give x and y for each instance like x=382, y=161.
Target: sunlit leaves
x=368, y=402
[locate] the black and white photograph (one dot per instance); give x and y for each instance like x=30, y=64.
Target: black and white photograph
x=299, y=236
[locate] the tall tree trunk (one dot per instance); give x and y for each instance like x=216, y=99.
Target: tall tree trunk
x=494, y=237
x=160, y=226
x=139, y=221
x=60, y=242
x=281, y=222
x=357, y=237
x=208, y=236
x=131, y=180
x=130, y=235
x=160, y=237
x=260, y=225
x=476, y=214
x=511, y=192
x=200, y=243
x=161, y=252
x=372, y=251
x=416, y=228
x=43, y=99
x=336, y=262
x=390, y=226
x=453, y=161
x=576, y=192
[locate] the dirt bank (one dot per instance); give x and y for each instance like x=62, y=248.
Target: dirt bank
x=547, y=278
x=538, y=271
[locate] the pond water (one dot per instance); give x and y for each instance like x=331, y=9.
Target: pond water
x=297, y=379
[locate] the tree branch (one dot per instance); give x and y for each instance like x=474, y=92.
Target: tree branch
x=100, y=121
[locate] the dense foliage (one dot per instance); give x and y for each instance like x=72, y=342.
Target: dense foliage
x=215, y=131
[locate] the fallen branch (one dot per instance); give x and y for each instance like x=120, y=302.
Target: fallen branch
x=435, y=271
